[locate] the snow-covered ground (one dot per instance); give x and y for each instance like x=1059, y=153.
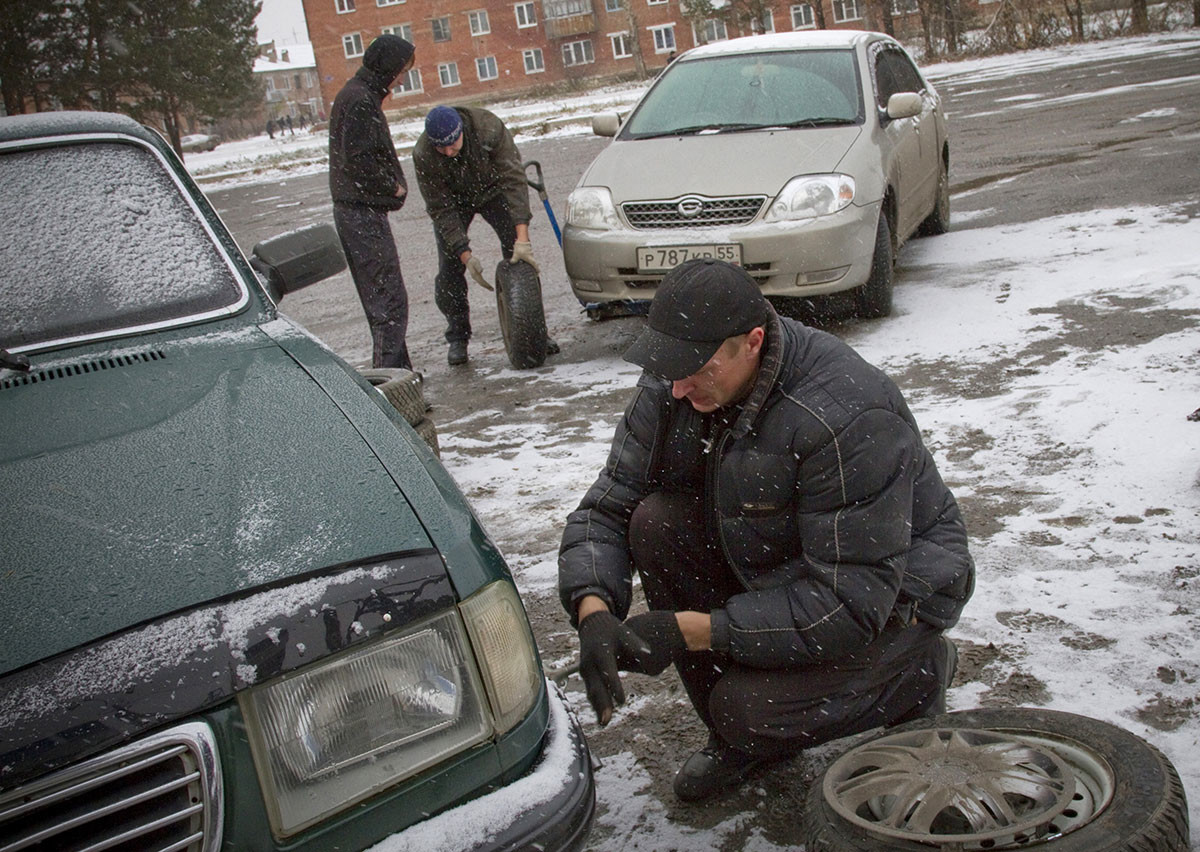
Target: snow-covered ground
x=1090, y=580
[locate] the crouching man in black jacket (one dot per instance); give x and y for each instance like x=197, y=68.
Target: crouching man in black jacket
x=798, y=550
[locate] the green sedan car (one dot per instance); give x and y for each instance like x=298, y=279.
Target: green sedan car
x=244, y=606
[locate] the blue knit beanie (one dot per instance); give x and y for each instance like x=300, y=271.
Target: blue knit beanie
x=443, y=126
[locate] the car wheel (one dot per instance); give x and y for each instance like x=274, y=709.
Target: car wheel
x=938, y=221
x=522, y=316
x=874, y=299
x=996, y=779
x=402, y=388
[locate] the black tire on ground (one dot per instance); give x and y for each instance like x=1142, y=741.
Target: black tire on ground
x=1057, y=781
x=938, y=220
x=428, y=433
x=402, y=388
x=522, y=316
x=874, y=299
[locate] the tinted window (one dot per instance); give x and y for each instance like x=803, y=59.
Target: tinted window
x=894, y=72
x=767, y=89
x=98, y=237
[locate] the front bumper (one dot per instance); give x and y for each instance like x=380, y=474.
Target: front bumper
x=806, y=258
x=550, y=807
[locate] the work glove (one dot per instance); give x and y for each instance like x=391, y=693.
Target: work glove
x=524, y=251
x=476, y=270
x=659, y=630
x=601, y=638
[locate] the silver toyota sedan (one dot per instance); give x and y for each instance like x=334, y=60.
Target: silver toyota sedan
x=806, y=157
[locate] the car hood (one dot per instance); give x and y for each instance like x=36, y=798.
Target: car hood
x=144, y=481
x=748, y=163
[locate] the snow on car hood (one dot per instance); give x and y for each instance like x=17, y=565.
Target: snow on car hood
x=748, y=163
x=174, y=474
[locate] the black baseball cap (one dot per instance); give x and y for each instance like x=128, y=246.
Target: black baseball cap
x=699, y=304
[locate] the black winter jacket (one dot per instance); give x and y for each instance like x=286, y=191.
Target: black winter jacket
x=828, y=507
x=488, y=166
x=363, y=166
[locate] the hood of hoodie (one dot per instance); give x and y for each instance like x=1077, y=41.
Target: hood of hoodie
x=384, y=59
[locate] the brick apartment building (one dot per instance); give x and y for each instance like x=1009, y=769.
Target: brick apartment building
x=468, y=50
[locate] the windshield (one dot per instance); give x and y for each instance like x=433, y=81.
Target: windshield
x=98, y=237
x=749, y=91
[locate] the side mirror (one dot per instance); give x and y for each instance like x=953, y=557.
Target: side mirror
x=298, y=258
x=904, y=105
x=606, y=124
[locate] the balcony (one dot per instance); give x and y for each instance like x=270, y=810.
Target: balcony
x=565, y=18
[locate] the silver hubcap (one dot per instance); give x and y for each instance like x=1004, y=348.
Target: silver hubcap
x=969, y=789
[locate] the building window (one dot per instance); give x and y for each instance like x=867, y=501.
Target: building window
x=845, y=10
x=352, y=45
x=613, y=5
x=485, y=67
x=578, y=53
x=655, y=2
x=664, y=38
x=402, y=30
x=408, y=83
x=802, y=17
x=448, y=73
x=620, y=45
x=479, y=22
x=382, y=3
x=344, y=6
x=526, y=15
x=534, y=63
x=714, y=30
x=766, y=24
x=441, y=29
x=310, y=79
x=904, y=7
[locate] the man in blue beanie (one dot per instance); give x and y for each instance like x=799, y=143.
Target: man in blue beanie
x=467, y=164
x=367, y=182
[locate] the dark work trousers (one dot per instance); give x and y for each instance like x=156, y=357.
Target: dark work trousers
x=774, y=712
x=374, y=264
x=450, y=286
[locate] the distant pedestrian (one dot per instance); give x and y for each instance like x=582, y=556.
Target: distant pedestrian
x=303, y=121
x=367, y=182
x=271, y=128
x=288, y=121
x=467, y=164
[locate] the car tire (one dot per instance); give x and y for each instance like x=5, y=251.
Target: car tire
x=938, y=220
x=522, y=315
x=874, y=298
x=1067, y=782
x=402, y=388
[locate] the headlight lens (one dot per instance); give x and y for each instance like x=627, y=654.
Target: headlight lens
x=349, y=726
x=811, y=196
x=592, y=207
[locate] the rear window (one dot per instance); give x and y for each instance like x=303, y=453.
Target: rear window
x=97, y=238
x=768, y=89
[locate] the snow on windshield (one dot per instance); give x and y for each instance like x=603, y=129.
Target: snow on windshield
x=98, y=237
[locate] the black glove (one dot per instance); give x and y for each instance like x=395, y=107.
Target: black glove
x=659, y=629
x=601, y=638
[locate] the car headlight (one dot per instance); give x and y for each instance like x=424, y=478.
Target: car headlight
x=811, y=196
x=353, y=724
x=592, y=207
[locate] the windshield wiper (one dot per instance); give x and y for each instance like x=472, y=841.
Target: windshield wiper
x=817, y=122
x=701, y=128
x=14, y=362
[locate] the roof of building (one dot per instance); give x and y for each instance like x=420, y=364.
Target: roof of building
x=288, y=57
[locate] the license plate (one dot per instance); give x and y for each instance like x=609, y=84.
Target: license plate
x=663, y=258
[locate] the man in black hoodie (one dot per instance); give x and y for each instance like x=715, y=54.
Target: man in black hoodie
x=367, y=182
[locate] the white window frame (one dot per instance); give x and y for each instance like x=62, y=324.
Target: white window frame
x=526, y=15
x=448, y=74
x=620, y=45
x=433, y=27
x=382, y=3
x=767, y=24
x=486, y=68
x=661, y=35
x=905, y=7
x=538, y=65
x=402, y=30
x=846, y=10
x=713, y=29
x=411, y=85
x=479, y=23
x=352, y=45
x=808, y=18
x=612, y=6
x=343, y=7
x=571, y=56
x=656, y=2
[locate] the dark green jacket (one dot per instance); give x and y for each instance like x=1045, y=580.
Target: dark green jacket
x=488, y=166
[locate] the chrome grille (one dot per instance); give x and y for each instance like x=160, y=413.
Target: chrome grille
x=692, y=211
x=161, y=794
